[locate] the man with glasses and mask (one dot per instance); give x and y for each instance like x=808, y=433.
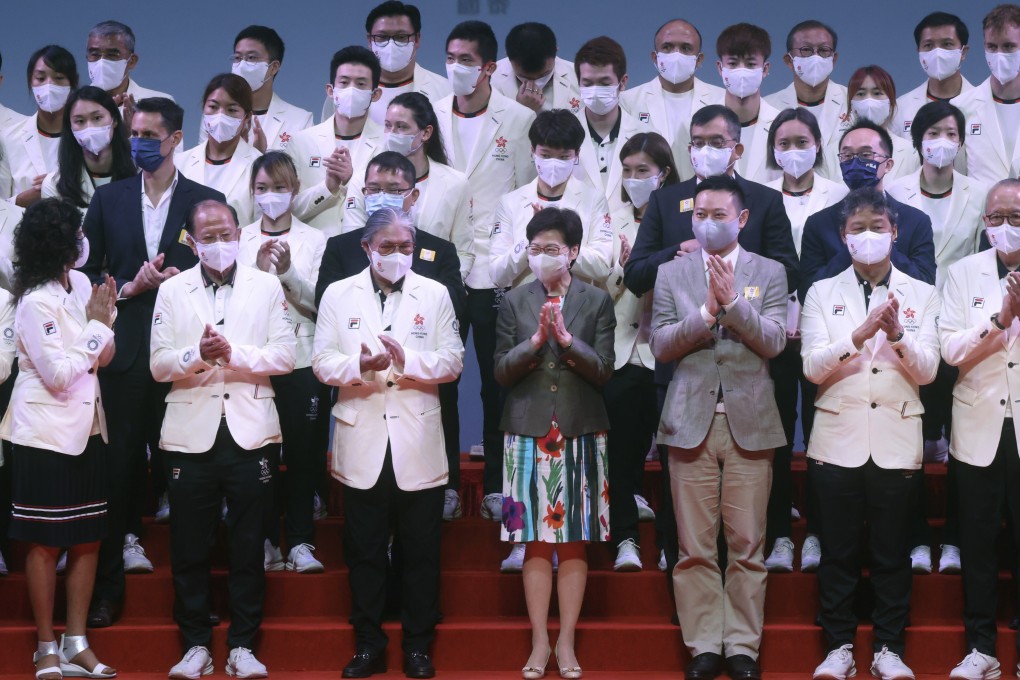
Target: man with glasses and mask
x=531, y=72
x=111, y=57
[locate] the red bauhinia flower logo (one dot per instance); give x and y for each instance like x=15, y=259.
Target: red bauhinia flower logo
x=501, y=143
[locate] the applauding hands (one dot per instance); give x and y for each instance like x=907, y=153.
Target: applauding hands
x=550, y=323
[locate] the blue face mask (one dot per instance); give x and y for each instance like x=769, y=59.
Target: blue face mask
x=146, y=153
x=858, y=174
x=374, y=202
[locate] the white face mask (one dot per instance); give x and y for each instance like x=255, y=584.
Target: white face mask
x=875, y=110
x=742, y=82
x=219, y=256
x=1005, y=66
x=940, y=152
x=553, y=171
x=392, y=267
x=812, y=70
x=107, y=74
x=83, y=252
x=939, y=63
x=540, y=83
x=640, y=190
x=676, y=67
x=253, y=73
x=1004, y=238
x=51, y=98
x=548, y=268
x=601, y=99
x=709, y=161
x=713, y=235
x=350, y=102
x=273, y=204
x=463, y=79
x=394, y=57
x=796, y=162
x=94, y=139
x=869, y=247
x=220, y=126
x=402, y=144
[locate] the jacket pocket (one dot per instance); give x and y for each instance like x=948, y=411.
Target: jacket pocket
x=914, y=407
x=344, y=413
x=175, y=396
x=967, y=395
x=43, y=396
x=829, y=403
x=264, y=391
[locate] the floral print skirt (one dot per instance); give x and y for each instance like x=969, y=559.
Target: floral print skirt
x=555, y=489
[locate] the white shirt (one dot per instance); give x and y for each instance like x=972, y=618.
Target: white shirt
x=938, y=210
x=678, y=108
x=214, y=171
x=1009, y=123
x=154, y=217
x=50, y=146
x=377, y=110
x=349, y=144
x=466, y=131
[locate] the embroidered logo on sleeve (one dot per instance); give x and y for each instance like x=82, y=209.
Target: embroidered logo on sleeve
x=157, y=318
x=978, y=303
x=643, y=117
x=350, y=202
x=353, y=324
x=315, y=161
x=49, y=328
x=975, y=128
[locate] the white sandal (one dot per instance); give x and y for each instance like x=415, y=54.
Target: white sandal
x=47, y=649
x=70, y=647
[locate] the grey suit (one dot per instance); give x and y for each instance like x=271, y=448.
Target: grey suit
x=566, y=382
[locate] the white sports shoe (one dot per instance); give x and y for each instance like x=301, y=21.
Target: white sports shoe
x=241, y=663
x=976, y=666
x=3, y=565
x=163, y=510
x=920, y=560
x=644, y=511
x=319, y=509
x=662, y=560
x=627, y=556
x=196, y=663
x=949, y=562
x=838, y=665
x=889, y=666
x=135, y=561
x=810, y=554
x=514, y=563
x=300, y=559
x=273, y=560
x=451, y=505
x=492, y=507
x=780, y=560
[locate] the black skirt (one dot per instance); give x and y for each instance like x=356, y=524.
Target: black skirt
x=59, y=500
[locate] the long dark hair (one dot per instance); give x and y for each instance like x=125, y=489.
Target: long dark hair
x=71, y=158
x=424, y=115
x=45, y=243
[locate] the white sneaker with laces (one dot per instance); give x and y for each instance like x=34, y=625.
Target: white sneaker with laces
x=780, y=560
x=273, y=559
x=976, y=666
x=492, y=507
x=241, y=663
x=319, y=510
x=135, y=561
x=3, y=565
x=163, y=510
x=810, y=554
x=514, y=563
x=62, y=563
x=451, y=505
x=889, y=666
x=949, y=562
x=300, y=559
x=627, y=556
x=920, y=560
x=196, y=663
x=838, y=665
x=662, y=560
x=644, y=511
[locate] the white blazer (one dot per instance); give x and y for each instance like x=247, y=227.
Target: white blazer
x=56, y=404
x=139, y=92
x=260, y=330
x=432, y=85
x=985, y=355
x=22, y=157
x=234, y=183
x=10, y=217
x=508, y=246
x=830, y=115
x=960, y=235
x=987, y=159
x=443, y=209
x=751, y=165
x=633, y=314
x=315, y=205
x=588, y=162
x=395, y=407
x=646, y=104
x=307, y=245
x=500, y=162
x=868, y=397
x=9, y=117
x=566, y=93
x=798, y=208
x=279, y=123
x=908, y=104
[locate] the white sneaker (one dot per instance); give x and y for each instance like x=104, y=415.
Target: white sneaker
x=644, y=511
x=810, y=554
x=3, y=565
x=492, y=507
x=451, y=505
x=662, y=560
x=273, y=559
x=135, y=561
x=477, y=451
x=976, y=666
x=794, y=513
x=163, y=510
x=627, y=556
x=780, y=560
x=196, y=663
x=949, y=562
x=838, y=665
x=241, y=663
x=62, y=563
x=300, y=559
x=514, y=563
x=920, y=560
x=319, y=509
x=889, y=666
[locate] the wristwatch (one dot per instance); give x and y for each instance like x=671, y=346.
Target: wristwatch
x=897, y=338
x=995, y=322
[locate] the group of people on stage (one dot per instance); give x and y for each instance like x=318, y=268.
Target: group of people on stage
x=674, y=263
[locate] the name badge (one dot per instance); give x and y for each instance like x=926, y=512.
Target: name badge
x=752, y=293
x=182, y=238
x=687, y=205
x=427, y=255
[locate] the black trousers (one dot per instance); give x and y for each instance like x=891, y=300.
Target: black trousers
x=986, y=494
x=134, y=405
x=849, y=498
x=633, y=421
x=787, y=372
x=483, y=308
x=415, y=519
x=5, y=470
x=937, y=420
x=666, y=533
x=197, y=485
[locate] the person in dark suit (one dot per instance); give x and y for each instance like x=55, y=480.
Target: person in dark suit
x=135, y=229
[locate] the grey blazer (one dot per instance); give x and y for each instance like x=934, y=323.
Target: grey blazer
x=734, y=353
x=566, y=382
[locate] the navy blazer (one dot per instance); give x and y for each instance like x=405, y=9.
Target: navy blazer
x=824, y=255
x=114, y=227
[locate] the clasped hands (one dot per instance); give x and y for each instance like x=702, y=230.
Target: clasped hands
x=213, y=346
x=274, y=253
x=884, y=317
x=1010, y=300
x=392, y=353
x=720, y=285
x=550, y=323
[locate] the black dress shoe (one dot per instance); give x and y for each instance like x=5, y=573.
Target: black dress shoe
x=364, y=664
x=418, y=665
x=103, y=614
x=704, y=667
x=742, y=667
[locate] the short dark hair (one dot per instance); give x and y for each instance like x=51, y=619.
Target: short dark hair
x=939, y=19
x=868, y=198
x=45, y=243
x=865, y=124
x=723, y=183
x=269, y=38
x=355, y=54
x=235, y=86
x=931, y=113
x=71, y=159
x=393, y=8
x=189, y=222
x=655, y=38
x=602, y=51
x=58, y=59
x=557, y=129
x=743, y=40
x=479, y=33
x=563, y=220
x=111, y=28
x=530, y=45
x=391, y=161
x=169, y=111
x=785, y=116
x=657, y=148
x=424, y=116
x=1000, y=16
x=278, y=165
x=809, y=25
x=707, y=114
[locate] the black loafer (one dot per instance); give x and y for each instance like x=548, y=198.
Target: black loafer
x=705, y=666
x=418, y=665
x=364, y=664
x=742, y=667
x=103, y=614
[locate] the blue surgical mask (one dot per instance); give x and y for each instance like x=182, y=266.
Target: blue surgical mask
x=858, y=174
x=374, y=202
x=146, y=153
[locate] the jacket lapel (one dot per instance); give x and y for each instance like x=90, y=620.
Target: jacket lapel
x=990, y=123
x=197, y=295
x=853, y=300
x=576, y=300
x=238, y=167
x=487, y=134
x=235, y=318
x=368, y=302
x=410, y=302
x=180, y=204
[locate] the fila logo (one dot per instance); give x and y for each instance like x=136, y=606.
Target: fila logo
x=978, y=303
x=643, y=117
x=975, y=128
x=315, y=162
x=353, y=324
x=838, y=310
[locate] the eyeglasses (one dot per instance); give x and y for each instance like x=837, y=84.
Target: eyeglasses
x=400, y=40
x=249, y=58
x=996, y=220
x=824, y=51
x=406, y=248
x=551, y=251
x=845, y=157
x=714, y=142
x=372, y=191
